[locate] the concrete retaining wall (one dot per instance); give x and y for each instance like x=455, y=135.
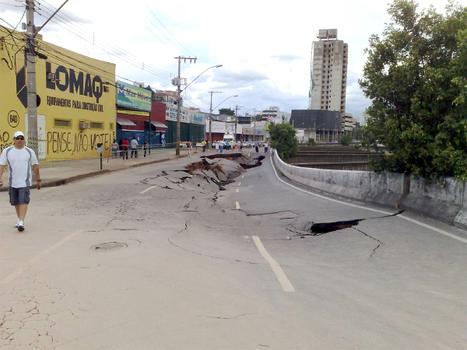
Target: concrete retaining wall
x=445, y=201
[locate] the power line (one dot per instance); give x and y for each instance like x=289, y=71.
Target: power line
x=120, y=53
x=174, y=39
x=22, y=16
x=77, y=32
x=59, y=60
x=49, y=50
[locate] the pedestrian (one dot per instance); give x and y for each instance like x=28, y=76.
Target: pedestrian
x=266, y=147
x=134, y=147
x=115, y=147
x=203, y=144
x=216, y=145
x=124, y=148
x=146, y=148
x=20, y=160
x=257, y=147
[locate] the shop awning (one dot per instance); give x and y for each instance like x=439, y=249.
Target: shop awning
x=159, y=125
x=125, y=122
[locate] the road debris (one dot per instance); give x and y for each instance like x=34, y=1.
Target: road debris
x=209, y=175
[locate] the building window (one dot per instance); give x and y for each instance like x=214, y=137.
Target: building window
x=95, y=125
x=62, y=123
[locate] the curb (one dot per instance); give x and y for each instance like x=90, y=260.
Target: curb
x=60, y=182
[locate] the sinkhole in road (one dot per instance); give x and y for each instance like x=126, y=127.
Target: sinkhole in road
x=106, y=246
x=244, y=161
x=208, y=174
x=320, y=228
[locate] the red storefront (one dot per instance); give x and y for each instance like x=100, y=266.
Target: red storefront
x=158, y=125
x=132, y=124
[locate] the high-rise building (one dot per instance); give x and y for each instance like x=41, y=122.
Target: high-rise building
x=328, y=72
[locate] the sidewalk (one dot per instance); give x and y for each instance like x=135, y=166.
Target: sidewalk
x=56, y=173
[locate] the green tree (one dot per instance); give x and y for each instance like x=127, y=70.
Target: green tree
x=346, y=140
x=283, y=140
x=416, y=77
x=227, y=111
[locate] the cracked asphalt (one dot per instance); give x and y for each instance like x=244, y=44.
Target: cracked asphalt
x=155, y=258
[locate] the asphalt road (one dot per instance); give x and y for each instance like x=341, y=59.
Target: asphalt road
x=140, y=260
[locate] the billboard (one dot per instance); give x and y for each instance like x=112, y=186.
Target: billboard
x=133, y=97
x=198, y=118
x=77, y=99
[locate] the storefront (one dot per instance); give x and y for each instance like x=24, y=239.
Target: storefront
x=76, y=103
x=133, y=112
x=132, y=124
x=218, y=130
x=158, y=123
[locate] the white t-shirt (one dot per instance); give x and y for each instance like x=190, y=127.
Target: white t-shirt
x=134, y=144
x=19, y=162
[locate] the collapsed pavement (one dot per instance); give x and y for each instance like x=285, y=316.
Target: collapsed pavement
x=209, y=175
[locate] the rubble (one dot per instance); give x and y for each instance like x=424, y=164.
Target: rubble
x=210, y=174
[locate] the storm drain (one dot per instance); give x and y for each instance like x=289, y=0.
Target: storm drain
x=106, y=246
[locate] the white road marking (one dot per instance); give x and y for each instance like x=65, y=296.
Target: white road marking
x=442, y=232
x=276, y=268
x=239, y=184
x=237, y=205
x=37, y=257
x=147, y=189
x=243, y=176
x=237, y=190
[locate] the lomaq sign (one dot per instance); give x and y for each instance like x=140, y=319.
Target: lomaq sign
x=74, y=82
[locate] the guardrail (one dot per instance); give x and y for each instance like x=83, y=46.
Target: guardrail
x=444, y=200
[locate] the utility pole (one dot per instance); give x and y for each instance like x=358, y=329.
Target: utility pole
x=179, y=98
x=210, y=117
x=236, y=120
x=30, y=62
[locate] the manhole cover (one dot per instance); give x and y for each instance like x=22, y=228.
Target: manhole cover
x=109, y=246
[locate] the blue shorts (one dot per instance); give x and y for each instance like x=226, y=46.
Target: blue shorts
x=19, y=195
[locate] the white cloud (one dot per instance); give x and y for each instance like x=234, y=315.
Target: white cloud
x=265, y=46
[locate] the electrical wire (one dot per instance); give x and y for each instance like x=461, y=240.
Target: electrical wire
x=59, y=60
x=161, y=24
x=59, y=56
x=66, y=23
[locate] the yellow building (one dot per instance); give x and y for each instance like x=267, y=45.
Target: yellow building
x=77, y=99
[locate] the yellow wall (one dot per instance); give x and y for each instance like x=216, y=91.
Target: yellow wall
x=79, y=96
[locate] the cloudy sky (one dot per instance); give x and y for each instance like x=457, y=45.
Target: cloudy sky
x=264, y=46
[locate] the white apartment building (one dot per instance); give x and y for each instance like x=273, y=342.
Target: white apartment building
x=348, y=122
x=328, y=72
x=273, y=114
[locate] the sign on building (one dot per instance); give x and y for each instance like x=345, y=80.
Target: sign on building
x=133, y=97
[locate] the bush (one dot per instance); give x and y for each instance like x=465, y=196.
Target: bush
x=283, y=140
x=346, y=140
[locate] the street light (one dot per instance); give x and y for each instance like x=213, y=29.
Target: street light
x=200, y=74
x=179, y=99
x=211, y=109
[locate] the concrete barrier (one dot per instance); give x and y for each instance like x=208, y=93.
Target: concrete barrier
x=384, y=188
x=461, y=218
x=443, y=200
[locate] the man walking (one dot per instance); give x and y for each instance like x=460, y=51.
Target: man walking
x=20, y=160
x=134, y=147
